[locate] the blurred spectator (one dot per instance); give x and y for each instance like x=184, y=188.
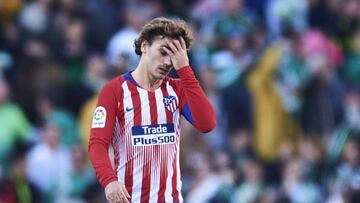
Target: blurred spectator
x=206, y=182
x=95, y=75
x=273, y=126
x=348, y=173
x=101, y=25
x=284, y=14
x=35, y=16
x=36, y=70
x=81, y=175
x=51, y=111
x=233, y=20
x=47, y=158
x=251, y=186
x=296, y=188
x=71, y=49
x=322, y=108
x=311, y=152
x=222, y=166
x=120, y=50
x=26, y=191
x=14, y=124
x=230, y=62
x=352, y=110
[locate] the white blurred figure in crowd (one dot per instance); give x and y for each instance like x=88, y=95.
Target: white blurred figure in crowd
x=206, y=182
x=352, y=110
x=296, y=188
x=35, y=16
x=49, y=164
x=250, y=189
x=120, y=49
x=286, y=13
x=347, y=181
x=230, y=62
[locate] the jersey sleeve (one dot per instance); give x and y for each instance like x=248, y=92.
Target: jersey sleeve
x=101, y=135
x=194, y=104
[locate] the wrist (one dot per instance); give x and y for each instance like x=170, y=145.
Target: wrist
x=182, y=67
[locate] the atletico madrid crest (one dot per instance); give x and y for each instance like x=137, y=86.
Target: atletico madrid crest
x=170, y=103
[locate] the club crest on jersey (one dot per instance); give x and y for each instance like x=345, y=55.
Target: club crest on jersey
x=99, y=117
x=158, y=134
x=170, y=103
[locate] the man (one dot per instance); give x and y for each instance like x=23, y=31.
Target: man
x=138, y=113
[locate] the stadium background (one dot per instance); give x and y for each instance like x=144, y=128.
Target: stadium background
x=283, y=76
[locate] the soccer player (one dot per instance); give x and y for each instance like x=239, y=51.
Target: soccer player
x=138, y=114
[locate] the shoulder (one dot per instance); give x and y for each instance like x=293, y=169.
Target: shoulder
x=114, y=86
x=115, y=83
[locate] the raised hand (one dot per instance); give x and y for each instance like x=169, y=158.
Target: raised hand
x=176, y=49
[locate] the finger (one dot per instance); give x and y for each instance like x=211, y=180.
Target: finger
x=123, y=199
x=111, y=199
x=118, y=197
x=178, y=45
x=172, y=46
x=125, y=192
x=114, y=198
x=183, y=44
x=168, y=51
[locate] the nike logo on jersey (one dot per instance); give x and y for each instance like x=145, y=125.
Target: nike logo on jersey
x=147, y=135
x=129, y=108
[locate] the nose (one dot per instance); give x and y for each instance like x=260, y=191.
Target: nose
x=167, y=61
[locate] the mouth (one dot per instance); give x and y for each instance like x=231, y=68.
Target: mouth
x=164, y=70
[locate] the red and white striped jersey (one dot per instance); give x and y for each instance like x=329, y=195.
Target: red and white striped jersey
x=144, y=130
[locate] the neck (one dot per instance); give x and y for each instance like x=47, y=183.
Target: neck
x=144, y=79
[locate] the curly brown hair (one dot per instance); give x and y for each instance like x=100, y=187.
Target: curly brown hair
x=165, y=27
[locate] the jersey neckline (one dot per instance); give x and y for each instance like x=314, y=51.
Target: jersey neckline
x=130, y=78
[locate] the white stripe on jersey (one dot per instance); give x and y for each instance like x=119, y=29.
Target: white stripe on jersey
x=129, y=121
x=155, y=174
x=140, y=152
x=176, y=119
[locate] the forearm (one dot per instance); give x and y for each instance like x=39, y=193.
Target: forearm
x=98, y=154
x=202, y=112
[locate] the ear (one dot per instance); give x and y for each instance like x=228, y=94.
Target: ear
x=144, y=47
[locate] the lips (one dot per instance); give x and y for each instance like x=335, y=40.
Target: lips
x=164, y=70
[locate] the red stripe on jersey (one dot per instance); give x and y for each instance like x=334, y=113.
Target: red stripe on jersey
x=175, y=193
x=137, y=121
x=145, y=192
x=153, y=108
x=164, y=153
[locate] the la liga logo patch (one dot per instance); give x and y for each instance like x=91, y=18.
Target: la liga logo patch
x=99, y=117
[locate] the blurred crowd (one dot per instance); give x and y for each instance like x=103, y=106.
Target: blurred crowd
x=283, y=76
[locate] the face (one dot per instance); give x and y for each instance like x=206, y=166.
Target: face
x=158, y=62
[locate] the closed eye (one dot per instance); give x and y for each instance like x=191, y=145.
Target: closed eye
x=163, y=53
